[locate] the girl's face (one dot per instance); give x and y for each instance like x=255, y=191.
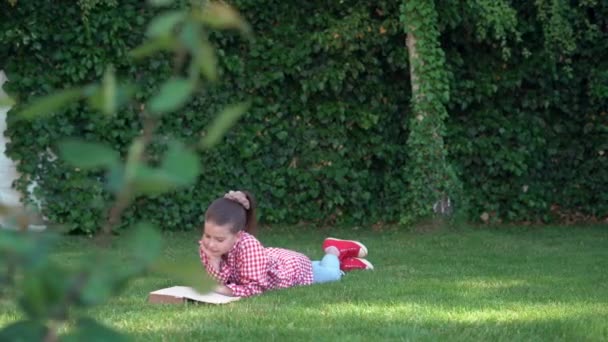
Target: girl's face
x=218, y=240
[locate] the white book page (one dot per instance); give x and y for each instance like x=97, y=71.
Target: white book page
x=190, y=293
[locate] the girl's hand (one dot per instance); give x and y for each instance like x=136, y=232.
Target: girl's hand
x=214, y=259
x=207, y=252
x=225, y=290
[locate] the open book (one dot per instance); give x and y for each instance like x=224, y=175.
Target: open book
x=180, y=294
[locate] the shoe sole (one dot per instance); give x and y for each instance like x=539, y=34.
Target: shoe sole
x=369, y=266
x=367, y=263
x=362, y=246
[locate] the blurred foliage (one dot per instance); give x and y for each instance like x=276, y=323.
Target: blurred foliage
x=48, y=292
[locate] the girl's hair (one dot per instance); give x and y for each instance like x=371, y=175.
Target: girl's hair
x=224, y=211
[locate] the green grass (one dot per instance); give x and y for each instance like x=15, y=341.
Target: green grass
x=510, y=284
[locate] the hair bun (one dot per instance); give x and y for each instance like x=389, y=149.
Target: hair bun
x=239, y=197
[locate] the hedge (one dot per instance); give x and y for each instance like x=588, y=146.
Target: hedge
x=325, y=140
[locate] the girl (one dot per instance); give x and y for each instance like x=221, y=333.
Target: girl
x=233, y=256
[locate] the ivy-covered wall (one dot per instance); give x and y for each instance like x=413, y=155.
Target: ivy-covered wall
x=325, y=139
x=528, y=116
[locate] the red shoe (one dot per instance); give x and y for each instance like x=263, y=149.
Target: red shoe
x=347, y=248
x=350, y=264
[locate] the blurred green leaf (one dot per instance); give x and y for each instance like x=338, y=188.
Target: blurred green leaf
x=6, y=102
x=134, y=156
x=173, y=94
x=88, y=329
x=223, y=122
x=180, y=167
x=160, y=3
x=124, y=94
x=181, y=164
x=87, y=155
x=12, y=242
x=204, y=58
x=108, y=86
x=43, y=291
x=150, y=181
x=220, y=15
x=48, y=104
x=28, y=330
x=188, y=272
x=152, y=46
x=28, y=249
x=164, y=23
x=97, y=280
x=207, y=61
x=99, y=100
x=190, y=36
x=115, y=178
x=32, y=300
x=144, y=242
x=110, y=274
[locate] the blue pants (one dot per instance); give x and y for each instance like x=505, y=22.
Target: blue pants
x=326, y=270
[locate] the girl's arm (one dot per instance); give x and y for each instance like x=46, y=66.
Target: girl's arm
x=213, y=266
x=225, y=290
x=251, y=270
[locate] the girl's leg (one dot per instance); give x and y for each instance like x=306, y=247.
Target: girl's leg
x=326, y=270
x=330, y=261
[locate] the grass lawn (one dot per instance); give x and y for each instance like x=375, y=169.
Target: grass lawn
x=530, y=284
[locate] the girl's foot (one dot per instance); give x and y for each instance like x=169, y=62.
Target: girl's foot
x=350, y=264
x=345, y=248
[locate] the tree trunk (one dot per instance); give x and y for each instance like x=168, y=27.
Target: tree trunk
x=431, y=180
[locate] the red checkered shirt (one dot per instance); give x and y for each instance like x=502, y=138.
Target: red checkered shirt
x=249, y=269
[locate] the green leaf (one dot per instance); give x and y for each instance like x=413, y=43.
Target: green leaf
x=102, y=102
x=152, y=46
x=98, y=283
x=32, y=301
x=87, y=155
x=12, y=242
x=29, y=249
x=207, y=61
x=160, y=3
x=145, y=243
x=134, y=156
x=43, y=290
x=88, y=329
x=222, y=16
x=181, y=164
x=180, y=167
x=173, y=94
x=6, y=102
x=188, y=272
x=164, y=23
x=48, y=104
x=190, y=36
x=115, y=178
x=108, y=86
x=150, y=181
x=220, y=125
x=24, y=331
x=110, y=274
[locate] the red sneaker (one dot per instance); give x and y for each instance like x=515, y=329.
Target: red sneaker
x=350, y=264
x=347, y=248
